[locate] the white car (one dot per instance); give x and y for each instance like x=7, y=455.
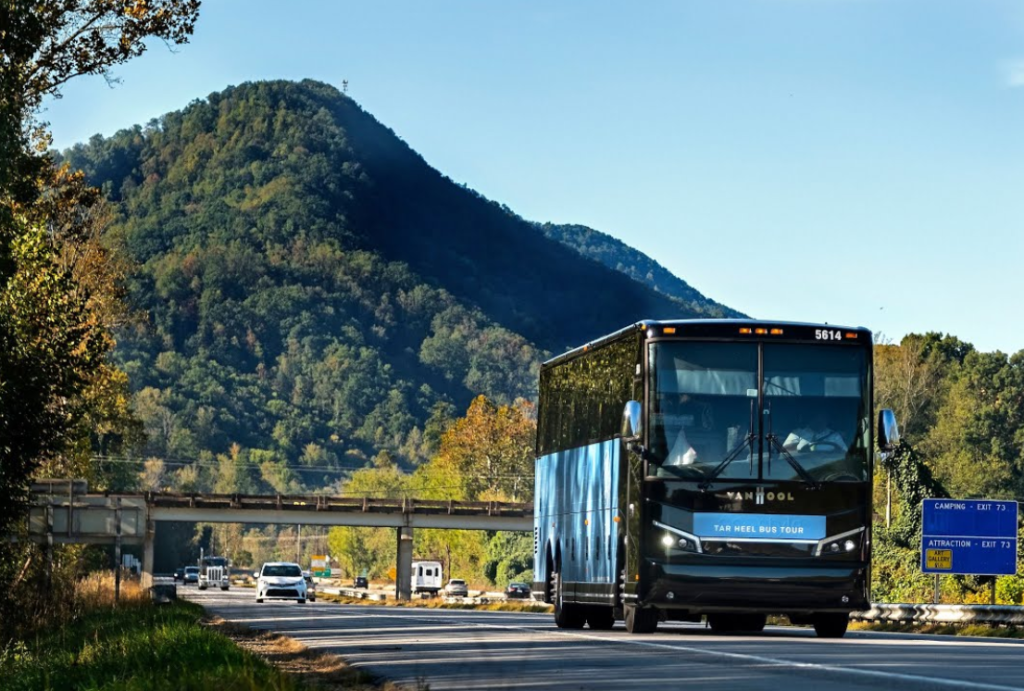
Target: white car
x=280, y=580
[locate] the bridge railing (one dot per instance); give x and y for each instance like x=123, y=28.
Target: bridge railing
x=325, y=503
x=942, y=614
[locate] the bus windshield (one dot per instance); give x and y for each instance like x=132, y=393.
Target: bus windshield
x=715, y=415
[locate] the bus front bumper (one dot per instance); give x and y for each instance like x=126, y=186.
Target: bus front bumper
x=754, y=588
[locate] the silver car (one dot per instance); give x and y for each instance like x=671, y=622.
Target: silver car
x=456, y=588
x=280, y=580
x=310, y=586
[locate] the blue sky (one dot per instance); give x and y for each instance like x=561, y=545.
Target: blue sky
x=858, y=162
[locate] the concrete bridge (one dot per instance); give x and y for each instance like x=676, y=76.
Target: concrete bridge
x=63, y=512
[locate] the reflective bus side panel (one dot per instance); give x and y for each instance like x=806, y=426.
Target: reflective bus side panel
x=574, y=521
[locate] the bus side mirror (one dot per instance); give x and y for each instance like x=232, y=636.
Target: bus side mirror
x=888, y=432
x=631, y=422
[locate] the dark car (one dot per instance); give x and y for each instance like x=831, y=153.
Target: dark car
x=310, y=586
x=191, y=574
x=179, y=573
x=360, y=582
x=517, y=590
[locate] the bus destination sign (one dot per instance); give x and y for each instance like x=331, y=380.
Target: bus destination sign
x=969, y=536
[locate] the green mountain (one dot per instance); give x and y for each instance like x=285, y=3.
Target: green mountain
x=617, y=255
x=317, y=293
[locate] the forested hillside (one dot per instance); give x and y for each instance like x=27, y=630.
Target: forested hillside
x=617, y=255
x=316, y=294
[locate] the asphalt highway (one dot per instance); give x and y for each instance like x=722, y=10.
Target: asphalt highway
x=466, y=649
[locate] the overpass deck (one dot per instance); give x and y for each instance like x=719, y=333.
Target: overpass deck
x=60, y=513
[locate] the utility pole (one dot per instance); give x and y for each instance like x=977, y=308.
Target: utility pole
x=888, y=498
x=117, y=553
x=298, y=545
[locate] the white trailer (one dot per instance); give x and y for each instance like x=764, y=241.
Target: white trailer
x=426, y=577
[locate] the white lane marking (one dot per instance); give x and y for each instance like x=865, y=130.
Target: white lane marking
x=769, y=661
x=776, y=662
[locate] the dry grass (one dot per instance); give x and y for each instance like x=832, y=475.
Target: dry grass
x=97, y=591
x=439, y=603
x=313, y=669
x=980, y=630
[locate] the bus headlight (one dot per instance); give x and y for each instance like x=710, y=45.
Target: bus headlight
x=675, y=539
x=670, y=541
x=847, y=542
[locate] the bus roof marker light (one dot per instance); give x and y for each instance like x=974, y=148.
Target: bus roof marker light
x=776, y=332
x=670, y=330
x=851, y=334
x=745, y=330
x=761, y=331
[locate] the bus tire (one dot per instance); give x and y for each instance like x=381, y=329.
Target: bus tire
x=640, y=620
x=600, y=618
x=567, y=615
x=831, y=624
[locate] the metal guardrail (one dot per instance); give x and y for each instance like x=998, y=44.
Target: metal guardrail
x=359, y=593
x=942, y=614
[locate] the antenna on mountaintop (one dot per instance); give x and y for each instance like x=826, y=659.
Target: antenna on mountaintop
x=344, y=86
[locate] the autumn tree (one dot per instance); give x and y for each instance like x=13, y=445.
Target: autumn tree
x=58, y=294
x=488, y=454
x=57, y=301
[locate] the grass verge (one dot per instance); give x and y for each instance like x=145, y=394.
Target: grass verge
x=438, y=603
x=978, y=630
x=137, y=647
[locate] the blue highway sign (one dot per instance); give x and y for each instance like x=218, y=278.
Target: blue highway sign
x=969, y=536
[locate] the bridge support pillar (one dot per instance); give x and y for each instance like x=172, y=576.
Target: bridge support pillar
x=403, y=570
x=147, y=554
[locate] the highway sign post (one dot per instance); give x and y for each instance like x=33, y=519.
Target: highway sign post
x=969, y=536
x=320, y=566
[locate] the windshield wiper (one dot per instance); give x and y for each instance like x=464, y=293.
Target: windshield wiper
x=748, y=441
x=774, y=441
x=800, y=470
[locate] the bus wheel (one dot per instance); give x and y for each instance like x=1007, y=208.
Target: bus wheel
x=639, y=620
x=567, y=615
x=831, y=624
x=600, y=618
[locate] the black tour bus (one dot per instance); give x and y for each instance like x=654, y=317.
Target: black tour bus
x=718, y=468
